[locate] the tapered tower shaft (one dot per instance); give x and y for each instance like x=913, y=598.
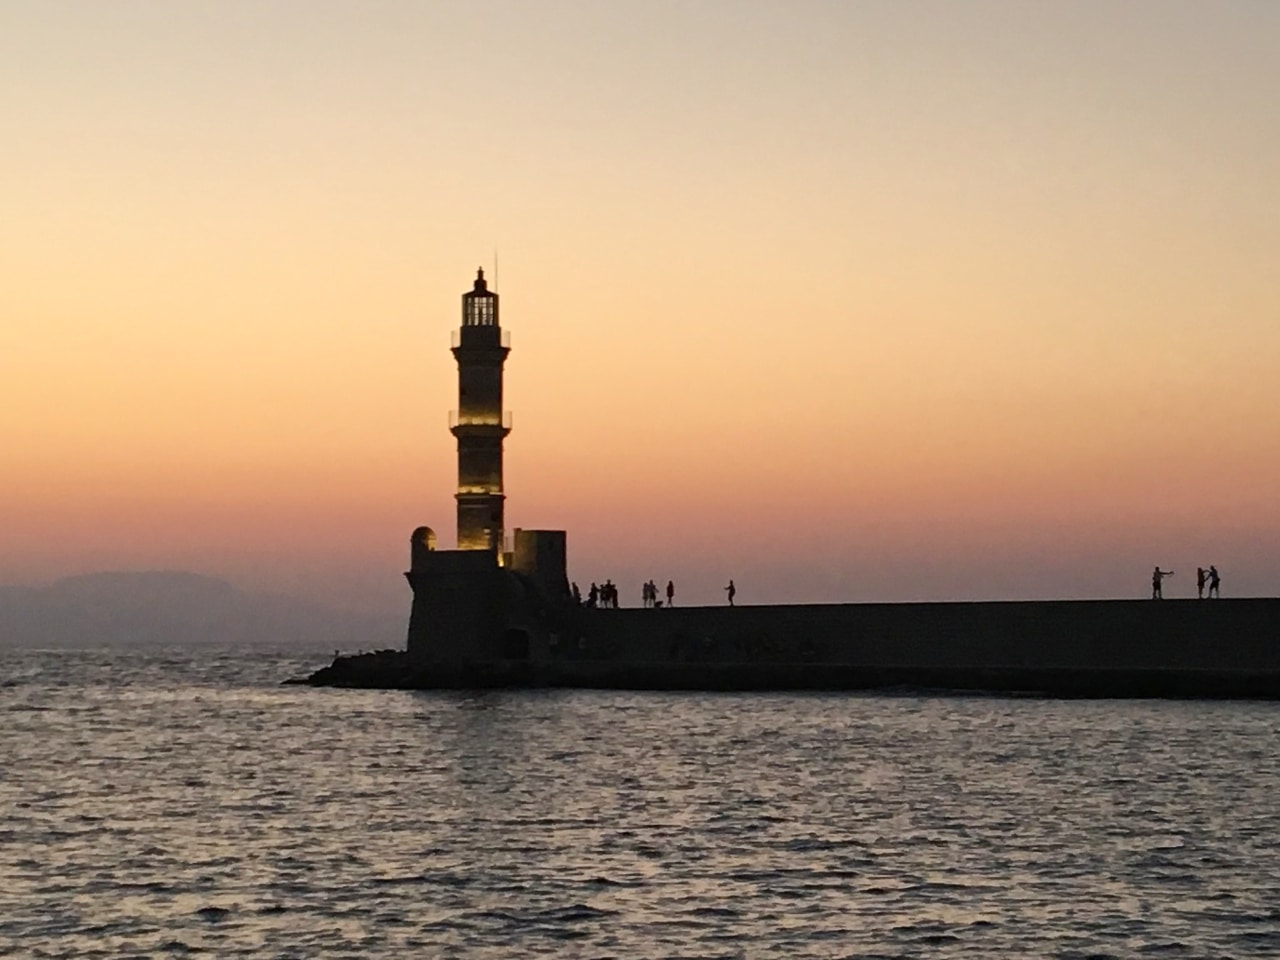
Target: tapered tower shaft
x=479, y=424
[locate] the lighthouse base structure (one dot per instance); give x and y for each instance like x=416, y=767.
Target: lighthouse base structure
x=476, y=624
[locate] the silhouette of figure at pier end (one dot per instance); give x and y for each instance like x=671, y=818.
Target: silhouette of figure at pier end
x=731, y=590
x=1201, y=576
x=1214, y=582
x=671, y=592
x=1157, y=578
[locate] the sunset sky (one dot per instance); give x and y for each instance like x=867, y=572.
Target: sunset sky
x=844, y=300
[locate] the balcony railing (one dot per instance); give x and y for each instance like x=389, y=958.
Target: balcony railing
x=479, y=420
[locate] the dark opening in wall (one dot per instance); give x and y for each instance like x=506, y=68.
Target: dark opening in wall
x=515, y=645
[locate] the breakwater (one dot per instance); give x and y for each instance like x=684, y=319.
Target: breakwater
x=1078, y=648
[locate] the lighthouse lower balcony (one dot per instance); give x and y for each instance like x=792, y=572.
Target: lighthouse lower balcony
x=469, y=419
x=490, y=488
x=479, y=423
x=487, y=335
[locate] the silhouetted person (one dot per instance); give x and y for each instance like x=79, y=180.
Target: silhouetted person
x=1214, y=580
x=577, y=594
x=1201, y=576
x=671, y=592
x=1157, y=576
x=731, y=590
x=593, y=595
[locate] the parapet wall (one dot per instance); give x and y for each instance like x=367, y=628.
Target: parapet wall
x=1101, y=634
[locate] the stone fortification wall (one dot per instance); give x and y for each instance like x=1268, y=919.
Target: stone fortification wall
x=541, y=556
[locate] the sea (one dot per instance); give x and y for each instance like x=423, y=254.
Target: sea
x=182, y=802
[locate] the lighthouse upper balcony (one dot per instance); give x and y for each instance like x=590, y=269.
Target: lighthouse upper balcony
x=468, y=418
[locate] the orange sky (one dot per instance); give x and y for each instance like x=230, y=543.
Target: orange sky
x=846, y=301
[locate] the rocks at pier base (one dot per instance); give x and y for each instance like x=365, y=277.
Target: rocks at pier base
x=393, y=670
x=378, y=670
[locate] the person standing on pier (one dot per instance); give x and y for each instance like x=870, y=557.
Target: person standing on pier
x=1214, y=580
x=671, y=592
x=731, y=590
x=1201, y=576
x=1157, y=577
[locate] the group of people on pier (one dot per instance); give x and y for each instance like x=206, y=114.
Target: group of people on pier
x=605, y=595
x=1204, y=578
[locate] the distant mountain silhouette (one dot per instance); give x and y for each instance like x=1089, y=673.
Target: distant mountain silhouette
x=168, y=607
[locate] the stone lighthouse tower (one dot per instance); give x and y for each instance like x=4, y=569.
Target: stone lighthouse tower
x=479, y=423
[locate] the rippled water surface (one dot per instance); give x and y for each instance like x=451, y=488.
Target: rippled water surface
x=181, y=802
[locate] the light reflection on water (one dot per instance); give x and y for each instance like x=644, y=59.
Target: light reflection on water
x=179, y=801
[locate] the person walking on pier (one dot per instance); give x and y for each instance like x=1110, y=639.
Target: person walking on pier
x=731, y=590
x=1157, y=576
x=1214, y=580
x=671, y=592
x=1201, y=576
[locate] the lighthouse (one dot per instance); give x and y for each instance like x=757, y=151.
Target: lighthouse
x=471, y=605
x=480, y=424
